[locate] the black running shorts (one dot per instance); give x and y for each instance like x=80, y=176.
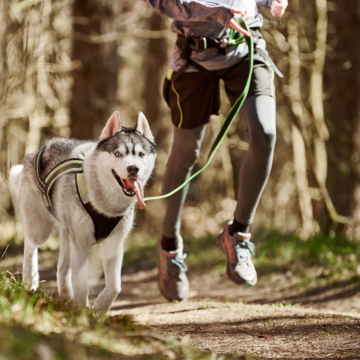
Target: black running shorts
x=194, y=96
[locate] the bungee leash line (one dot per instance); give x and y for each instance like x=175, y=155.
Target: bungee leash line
x=228, y=120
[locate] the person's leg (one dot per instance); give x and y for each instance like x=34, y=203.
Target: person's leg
x=259, y=113
x=184, y=153
x=192, y=98
x=172, y=280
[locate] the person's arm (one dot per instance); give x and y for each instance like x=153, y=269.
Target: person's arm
x=277, y=7
x=184, y=10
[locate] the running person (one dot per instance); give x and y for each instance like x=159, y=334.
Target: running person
x=199, y=60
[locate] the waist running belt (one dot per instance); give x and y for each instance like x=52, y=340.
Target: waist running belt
x=103, y=225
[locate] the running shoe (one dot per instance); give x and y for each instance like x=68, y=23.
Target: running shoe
x=239, y=251
x=172, y=280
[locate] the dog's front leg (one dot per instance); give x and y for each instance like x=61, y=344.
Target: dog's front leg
x=79, y=261
x=112, y=250
x=64, y=272
x=30, y=265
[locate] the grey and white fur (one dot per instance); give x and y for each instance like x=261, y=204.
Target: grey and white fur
x=118, y=149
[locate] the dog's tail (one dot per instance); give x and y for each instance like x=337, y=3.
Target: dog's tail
x=15, y=181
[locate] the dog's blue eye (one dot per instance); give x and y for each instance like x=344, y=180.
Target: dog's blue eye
x=141, y=154
x=118, y=154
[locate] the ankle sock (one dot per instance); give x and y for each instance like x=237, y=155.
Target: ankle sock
x=237, y=227
x=168, y=244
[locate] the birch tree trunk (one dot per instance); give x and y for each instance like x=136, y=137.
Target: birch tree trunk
x=316, y=92
x=300, y=163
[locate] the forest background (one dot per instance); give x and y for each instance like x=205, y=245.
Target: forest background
x=66, y=65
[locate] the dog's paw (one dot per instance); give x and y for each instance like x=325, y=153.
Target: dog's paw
x=100, y=310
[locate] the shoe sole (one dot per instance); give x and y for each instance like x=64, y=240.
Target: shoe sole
x=236, y=281
x=166, y=295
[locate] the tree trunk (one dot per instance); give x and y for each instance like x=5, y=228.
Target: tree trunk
x=316, y=98
x=356, y=148
x=300, y=166
x=342, y=87
x=300, y=163
x=4, y=5
x=155, y=68
x=317, y=71
x=95, y=81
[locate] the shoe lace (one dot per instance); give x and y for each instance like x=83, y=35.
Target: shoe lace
x=243, y=248
x=176, y=265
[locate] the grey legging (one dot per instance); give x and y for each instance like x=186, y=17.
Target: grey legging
x=259, y=113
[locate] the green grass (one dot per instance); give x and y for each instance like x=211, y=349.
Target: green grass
x=317, y=250
x=319, y=260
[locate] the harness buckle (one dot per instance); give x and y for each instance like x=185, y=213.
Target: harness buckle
x=224, y=42
x=199, y=43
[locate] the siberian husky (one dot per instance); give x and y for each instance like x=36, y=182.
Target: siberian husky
x=97, y=207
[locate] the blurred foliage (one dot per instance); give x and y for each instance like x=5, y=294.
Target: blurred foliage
x=21, y=343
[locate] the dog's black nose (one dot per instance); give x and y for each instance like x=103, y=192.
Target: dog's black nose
x=132, y=170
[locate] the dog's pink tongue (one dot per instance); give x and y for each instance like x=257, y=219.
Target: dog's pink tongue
x=135, y=185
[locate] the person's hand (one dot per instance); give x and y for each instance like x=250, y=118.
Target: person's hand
x=278, y=8
x=235, y=25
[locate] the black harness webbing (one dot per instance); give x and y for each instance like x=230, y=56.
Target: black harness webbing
x=103, y=225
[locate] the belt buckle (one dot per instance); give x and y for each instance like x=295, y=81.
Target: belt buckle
x=200, y=43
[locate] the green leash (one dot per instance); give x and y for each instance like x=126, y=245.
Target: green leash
x=228, y=120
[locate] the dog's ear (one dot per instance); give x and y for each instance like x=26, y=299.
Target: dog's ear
x=142, y=126
x=113, y=125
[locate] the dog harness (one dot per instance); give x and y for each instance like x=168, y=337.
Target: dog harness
x=103, y=225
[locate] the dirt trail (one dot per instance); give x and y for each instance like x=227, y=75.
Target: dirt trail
x=215, y=317
x=267, y=331
x=227, y=319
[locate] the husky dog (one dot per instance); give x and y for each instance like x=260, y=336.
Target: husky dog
x=114, y=171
